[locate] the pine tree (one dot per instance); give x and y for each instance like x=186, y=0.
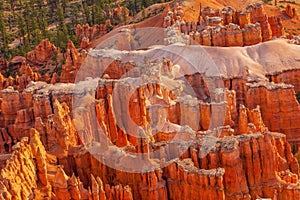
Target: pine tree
x=75, y=18
x=22, y=30
x=124, y=15
x=64, y=5
x=131, y=7
x=143, y=12
x=36, y=35
x=12, y=5
x=40, y=3
x=93, y=15
x=61, y=20
x=62, y=31
x=97, y=14
x=4, y=40
x=27, y=20
x=1, y=5
x=86, y=11
x=42, y=21
x=52, y=5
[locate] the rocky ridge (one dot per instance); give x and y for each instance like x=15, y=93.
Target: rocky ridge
x=226, y=27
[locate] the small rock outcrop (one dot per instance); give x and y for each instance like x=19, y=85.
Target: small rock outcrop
x=42, y=53
x=291, y=11
x=85, y=34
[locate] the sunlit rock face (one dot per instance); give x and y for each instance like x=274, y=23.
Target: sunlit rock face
x=42, y=53
x=291, y=11
x=85, y=34
x=141, y=128
x=195, y=110
x=228, y=27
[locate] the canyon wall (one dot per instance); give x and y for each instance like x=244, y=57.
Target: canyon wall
x=31, y=173
x=279, y=107
x=209, y=145
x=84, y=140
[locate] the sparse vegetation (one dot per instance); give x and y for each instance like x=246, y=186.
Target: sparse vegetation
x=282, y=6
x=24, y=23
x=268, y=2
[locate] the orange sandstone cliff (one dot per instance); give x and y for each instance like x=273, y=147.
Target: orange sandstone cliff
x=217, y=120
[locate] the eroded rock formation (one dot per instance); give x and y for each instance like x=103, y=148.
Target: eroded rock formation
x=73, y=62
x=85, y=34
x=229, y=157
x=140, y=129
x=227, y=27
x=276, y=26
x=3, y=65
x=280, y=113
x=291, y=11
x=31, y=173
x=295, y=40
x=42, y=53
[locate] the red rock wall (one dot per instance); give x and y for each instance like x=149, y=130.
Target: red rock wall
x=19, y=177
x=243, y=18
x=276, y=26
x=231, y=28
x=279, y=107
x=229, y=15
x=232, y=156
x=28, y=174
x=243, y=157
x=22, y=111
x=183, y=177
x=288, y=77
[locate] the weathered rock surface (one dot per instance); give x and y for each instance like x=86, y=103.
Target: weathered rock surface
x=25, y=170
x=276, y=26
x=295, y=40
x=252, y=34
x=244, y=177
x=24, y=76
x=220, y=129
x=258, y=14
x=73, y=62
x=227, y=27
x=279, y=107
x=291, y=11
x=28, y=174
x=183, y=177
x=41, y=109
x=43, y=53
x=3, y=65
x=85, y=34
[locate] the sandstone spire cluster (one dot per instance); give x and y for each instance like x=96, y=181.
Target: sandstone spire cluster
x=85, y=34
x=226, y=27
x=224, y=126
x=230, y=157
